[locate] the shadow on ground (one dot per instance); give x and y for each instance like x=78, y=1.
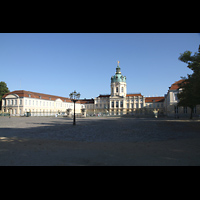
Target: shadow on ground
x=98, y=141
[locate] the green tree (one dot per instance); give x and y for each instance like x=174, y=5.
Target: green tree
x=190, y=94
x=3, y=90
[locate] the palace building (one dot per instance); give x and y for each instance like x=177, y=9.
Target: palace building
x=171, y=101
x=19, y=102
x=118, y=102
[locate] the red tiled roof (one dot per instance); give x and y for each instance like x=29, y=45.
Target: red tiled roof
x=154, y=99
x=133, y=95
x=84, y=101
x=176, y=85
x=24, y=93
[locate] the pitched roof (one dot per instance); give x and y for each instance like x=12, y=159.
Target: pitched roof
x=24, y=93
x=176, y=85
x=86, y=101
x=133, y=95
x=154, y=99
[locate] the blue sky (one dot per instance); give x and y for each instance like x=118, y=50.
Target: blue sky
x=59, y=63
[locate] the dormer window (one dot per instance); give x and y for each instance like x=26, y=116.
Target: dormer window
x=29, y=95
x=40, y=97
x=49, y=98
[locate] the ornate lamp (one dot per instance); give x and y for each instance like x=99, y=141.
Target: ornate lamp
x=74, y=96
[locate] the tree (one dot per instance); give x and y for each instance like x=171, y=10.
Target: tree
x=3, y=90
x=190, y=95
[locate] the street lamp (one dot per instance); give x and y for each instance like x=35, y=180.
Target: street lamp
x=74, y=96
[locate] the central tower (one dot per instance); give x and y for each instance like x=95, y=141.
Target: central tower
x=118, y=83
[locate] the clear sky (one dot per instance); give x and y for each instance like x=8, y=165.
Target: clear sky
x=59, y=63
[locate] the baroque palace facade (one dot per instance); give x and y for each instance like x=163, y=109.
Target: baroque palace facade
x=118, y=102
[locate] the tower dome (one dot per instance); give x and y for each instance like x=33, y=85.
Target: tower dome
x=118, y=77
x=118, y=83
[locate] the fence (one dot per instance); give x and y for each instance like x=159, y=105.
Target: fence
x=4, y=114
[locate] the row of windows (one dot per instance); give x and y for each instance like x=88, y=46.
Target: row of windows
x=105, y=106
x=185, y=110
x=89, y=106
x=117, y=89
x=13, y=102
x=117, y=104
x=155, y=105
x=46, y=103
x=141, y=100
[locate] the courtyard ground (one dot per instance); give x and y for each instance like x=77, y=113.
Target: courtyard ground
x=98, y=141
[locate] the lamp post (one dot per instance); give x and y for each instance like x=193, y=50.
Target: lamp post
x=74, y=96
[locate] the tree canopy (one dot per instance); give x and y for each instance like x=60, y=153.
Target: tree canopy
x=3, y=89
x=190, y=94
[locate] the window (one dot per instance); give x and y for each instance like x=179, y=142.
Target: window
x=136, y=105
x=132, y=105
x=117, y=104
x=29, y=102
x=112, y=104
x=141, y=105
x=15, y=102
x=127, y=105
x=11, y=102
x=20, y=102
x=25, y=102
x=176, y=109
x=121, y=104
x=29, y=95
x=175, y=97
x=116, y=89
x=122, y=89
x=185, y=110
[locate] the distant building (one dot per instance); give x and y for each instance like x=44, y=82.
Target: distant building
x=171, y=101
x=19, y=102
x=121, y=103
x=118, y=102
